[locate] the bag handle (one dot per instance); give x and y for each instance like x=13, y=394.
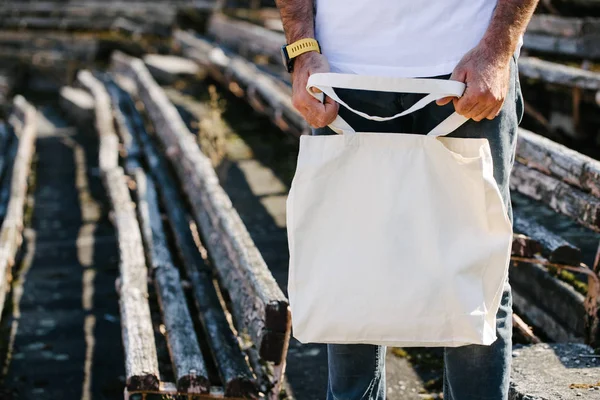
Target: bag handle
x=435, y=88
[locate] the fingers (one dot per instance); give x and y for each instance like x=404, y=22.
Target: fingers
x=444, y=101
x=317, y=114
x=457, y=75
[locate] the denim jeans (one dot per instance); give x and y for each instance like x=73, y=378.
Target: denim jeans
x=474, y=372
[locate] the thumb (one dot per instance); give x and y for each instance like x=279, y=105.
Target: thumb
x=457, y=75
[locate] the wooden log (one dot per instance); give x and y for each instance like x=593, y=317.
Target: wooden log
x=550, y=72
x=110, y=5
x=258, y=305
x=558, y=195
x=554, y=159
x=246, y=38
x=78, y=104
x=74, y=47
x=141, y=361
x=523, y=246
x=12, y=224
x=561, y=316
x=587, y=47
x=109, y=141
x=557, y=249
x=233, y=369
x=525, y=329
x=131, y=148
x=265, y=93
x=188, y=364
x=168, y=69
x=83, y=24
x=557, y=25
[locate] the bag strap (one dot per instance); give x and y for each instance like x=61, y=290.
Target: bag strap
x=434, y=88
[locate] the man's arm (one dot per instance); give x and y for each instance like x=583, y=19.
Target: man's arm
x=298, y=23
x=486, y=68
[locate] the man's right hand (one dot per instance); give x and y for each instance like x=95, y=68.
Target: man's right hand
x=317, y=114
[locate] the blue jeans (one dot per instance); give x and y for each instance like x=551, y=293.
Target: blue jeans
x=474, y=372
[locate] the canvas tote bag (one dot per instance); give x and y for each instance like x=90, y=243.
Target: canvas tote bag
x=395, y=239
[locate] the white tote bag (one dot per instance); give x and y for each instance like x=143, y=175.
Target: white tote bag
x=395, y=239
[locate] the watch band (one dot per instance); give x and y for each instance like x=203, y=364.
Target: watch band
x=302, y=46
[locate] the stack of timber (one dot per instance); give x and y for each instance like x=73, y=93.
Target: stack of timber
x=562, y=98
x=244, y=316
x=138, y=17
x=547, y=172
x=17, y=148
x=564, y=36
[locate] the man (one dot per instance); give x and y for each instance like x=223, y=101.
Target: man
x=472, y=41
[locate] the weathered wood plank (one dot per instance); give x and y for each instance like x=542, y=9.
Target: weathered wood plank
x=83, y=24
x=550, y=72
x=234, y=371
x=188, y=364
x=266, y=94
x=259, y=306
x=168, y=68
x=109, y=141
x=558, y=195
x=78, y=104
x=555, y=247
x=246, y=38
x=131, y=149
x=141, y=361
x=562, y=315
x=557, y=25
x=552, y=158
x=75, y=47
x=12, y=224
x=587, y=47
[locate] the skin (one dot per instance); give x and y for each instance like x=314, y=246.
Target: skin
x=485, y=69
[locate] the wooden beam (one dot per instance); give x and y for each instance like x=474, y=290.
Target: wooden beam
x=259, y=306
x=557, y=25
x=551, y=158
x=555, y=247
x=246, y=38
x=141, y=362
x=550, y=72
x=234, y=371
x=265, y=93
x=558, y=195
x=587, y=47
x=131, y=149
x=188, y=364
x=76, y=47
x=109, y=141
x=12, y=225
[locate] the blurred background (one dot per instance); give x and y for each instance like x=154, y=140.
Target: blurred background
x=218, y=63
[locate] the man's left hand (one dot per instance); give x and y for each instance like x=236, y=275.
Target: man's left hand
x=487, y=77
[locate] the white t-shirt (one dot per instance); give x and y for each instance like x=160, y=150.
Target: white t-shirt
x=404, y=38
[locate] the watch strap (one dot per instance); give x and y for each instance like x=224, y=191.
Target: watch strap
x=302, y=46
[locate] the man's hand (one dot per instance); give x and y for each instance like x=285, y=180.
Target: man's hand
x=317, y=114
x=487, y=76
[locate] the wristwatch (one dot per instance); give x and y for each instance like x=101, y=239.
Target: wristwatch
x=291, y=51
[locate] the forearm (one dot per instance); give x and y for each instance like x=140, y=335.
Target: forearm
x=298, y=19
x=507, y=25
